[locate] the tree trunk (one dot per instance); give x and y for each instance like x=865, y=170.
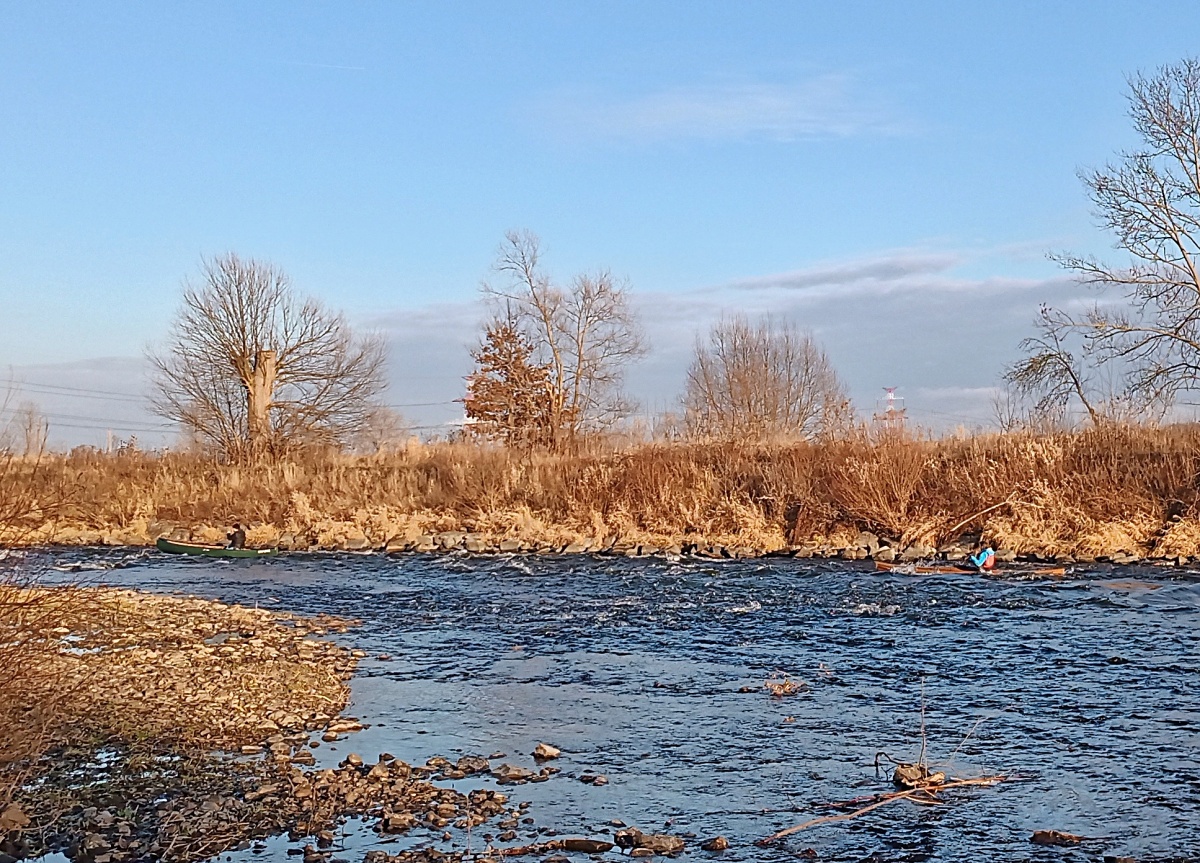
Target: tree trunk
x=258, y=400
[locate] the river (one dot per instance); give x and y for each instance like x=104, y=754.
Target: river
x=1082, y=690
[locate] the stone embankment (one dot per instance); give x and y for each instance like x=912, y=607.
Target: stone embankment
x=864, y=546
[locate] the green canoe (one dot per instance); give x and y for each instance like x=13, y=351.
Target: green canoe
x=171, y=547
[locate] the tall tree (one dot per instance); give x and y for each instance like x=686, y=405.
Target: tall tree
x=585, y=336
x=760, y=381
x=508, y=393
x=251, y=370
x=1150, y=200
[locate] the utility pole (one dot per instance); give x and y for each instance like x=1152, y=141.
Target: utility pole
x=890, y=412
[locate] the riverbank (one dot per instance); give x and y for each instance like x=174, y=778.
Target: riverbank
x=177, y=728
x=1121, y=493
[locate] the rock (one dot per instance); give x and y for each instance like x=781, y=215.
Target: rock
x=473, y=764
x=425, y=543
x=546, y=752
x=886, y=554
x=662, y=843
x=449, y=539
x=717, y=843
x=1006, y=555
x=13, y=818
x=868, y=541
x=510, y=545
x=353, y=760
x=474, y=544
x=398, y=822
x=575, y=548
x=356, y=543
x=1054, y=837
x=344, y=726
x=654, y=843
x=915, y=776
x=917, y=552
x=585, y=846
x=509, y=774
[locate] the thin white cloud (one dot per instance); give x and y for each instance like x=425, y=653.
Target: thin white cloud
x=827, y=106
x=883, y=271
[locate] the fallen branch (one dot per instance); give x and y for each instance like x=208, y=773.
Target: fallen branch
x=926, y=795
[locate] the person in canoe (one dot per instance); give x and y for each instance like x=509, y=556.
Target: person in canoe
x=984, y=560
x=237, y=536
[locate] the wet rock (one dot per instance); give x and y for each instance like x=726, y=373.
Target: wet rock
x=915, y=776
x=546, y=752
x=469, y=764
x=585, y=846
x=344, y=726
x=510, y=774
x=717, y=843
x=654, y=843
x=1054, y=837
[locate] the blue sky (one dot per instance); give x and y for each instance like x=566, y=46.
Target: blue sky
x=889, y=174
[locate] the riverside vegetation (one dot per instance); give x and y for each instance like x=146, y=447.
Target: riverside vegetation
x=1121, y=491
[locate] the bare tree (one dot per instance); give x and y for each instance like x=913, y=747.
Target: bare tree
x=1050, y=376
x=1150, y=199
x=585, y=336
x=251, y=370
x=762, y=381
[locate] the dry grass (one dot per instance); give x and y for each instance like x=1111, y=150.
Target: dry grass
x=1088, y=493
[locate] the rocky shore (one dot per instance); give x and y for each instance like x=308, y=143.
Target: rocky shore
x=864, y=545
x=190, y=731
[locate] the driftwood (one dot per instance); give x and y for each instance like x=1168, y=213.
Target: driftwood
x=925, y=794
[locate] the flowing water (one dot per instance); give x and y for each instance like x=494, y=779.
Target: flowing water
x=1082, y=689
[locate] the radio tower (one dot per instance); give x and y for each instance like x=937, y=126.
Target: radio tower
x=890, y=411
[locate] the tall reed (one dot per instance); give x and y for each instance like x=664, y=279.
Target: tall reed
x=1088, y=492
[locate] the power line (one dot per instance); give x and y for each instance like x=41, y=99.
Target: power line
x=108, y=395
x=80, y=392
x=126, y=424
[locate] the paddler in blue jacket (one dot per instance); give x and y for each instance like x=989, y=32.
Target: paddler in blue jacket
x=984, y=559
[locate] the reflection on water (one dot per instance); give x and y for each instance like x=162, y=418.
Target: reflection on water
x=1083, y=688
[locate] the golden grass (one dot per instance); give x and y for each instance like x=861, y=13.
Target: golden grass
x=1090, y=492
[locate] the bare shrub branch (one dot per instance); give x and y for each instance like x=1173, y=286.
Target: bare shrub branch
x=763, y=381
